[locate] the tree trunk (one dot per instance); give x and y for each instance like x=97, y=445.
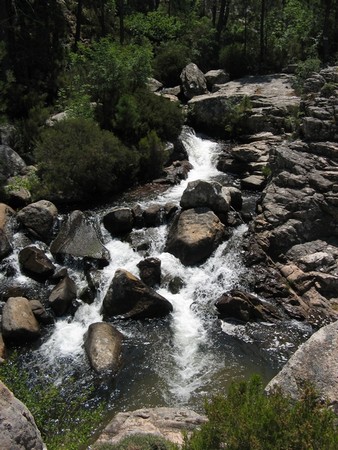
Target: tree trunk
x=223, y=17
x=262, y=35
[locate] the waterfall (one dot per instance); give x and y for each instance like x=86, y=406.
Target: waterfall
x=191, y=353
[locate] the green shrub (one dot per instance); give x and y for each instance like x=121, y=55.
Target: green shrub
x=169, y=61
x=236, y=114
x=76, y=160
x=65, y=421
x=140, y=442
x=247, y=419
x=329, y=89
x=152, y=156
x=233, y=60
x=304, y=70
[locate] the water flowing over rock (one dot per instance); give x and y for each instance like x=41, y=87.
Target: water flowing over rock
x=79, y=238
x=103, y=345
x=62, y=296
x=194, y=235
x=315, y=362
x=129, y=297
x=39, y=218
x=18, y=430
x=35, y=263
x=170, y=423
x=18, y=322
x=193, y=81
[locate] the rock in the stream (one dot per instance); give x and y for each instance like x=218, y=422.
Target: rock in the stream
x=315, y=362
x=119, y=221
x=103, y=345
x=6, y=213
x=129, y=297
x=19, y=324
x=35, y=263
x=79, y=238
x=62, y=296
x=40, y=313
x=39, y=218
x=246, y=307
x=150, y=271
x=18, y=430
x=169, y=423
x=209, y=194
x=194, y=235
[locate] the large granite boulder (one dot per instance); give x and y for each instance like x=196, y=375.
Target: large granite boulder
x=119, y=221
x=129, y=297
x=193, y=81
x=169, y=423
x=35, y=263
x=62, y=296
x=103, y=345
x=19, y=324
x=208, y=194
x=39, y=218
x=217, y=76
x=18, y=430
x=79, y=238
x=6, y=214
x=315, y=362
x=11, y=163
x=194, y=235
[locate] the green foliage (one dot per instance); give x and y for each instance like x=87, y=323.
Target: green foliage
x=30, y=182
x=247, y=419
x=169, y=61
x=64, y=421
x=304, y=70
x=140, y=442
x=329, y=89
x=233, y=60
x=155, y=26
x=152, y=156
x=236, y=114
x=77, y=159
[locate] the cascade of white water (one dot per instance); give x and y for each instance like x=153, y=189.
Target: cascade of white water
x=185, y=363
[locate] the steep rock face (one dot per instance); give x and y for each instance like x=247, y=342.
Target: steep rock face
x=315, y=362
x=170, y=423
x=194, y=235
x=103, y=345
x=271, y=96
x=80, y=239
x=18, y=430
x=129, y=297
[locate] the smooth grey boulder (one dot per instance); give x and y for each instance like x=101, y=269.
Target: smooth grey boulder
x=208, y=194
x=39, y=218
x=218, y=76
x=169, y=423
x=2, y=349
x=194, y=235
x=61, y=297
x=119, y=221
x=129, y=297
x=103, y=345
x=18, y=430
x=315, y=362
x=19, y=324
x=79, y=238
x=193, y=81
x=6, y=214
x=35, y=263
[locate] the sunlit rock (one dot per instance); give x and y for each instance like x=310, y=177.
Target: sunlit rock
x=194, y=235
x=18, y=322
x=35, y=263
x=129, y=297
x=62, y=296
x=103, y=345
x=39, y=218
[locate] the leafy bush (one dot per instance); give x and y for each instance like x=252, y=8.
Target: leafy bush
x=139, y=442
x=247, y=419
x=233, y=60
x=304, y=70
x=76, y=160
x=152, y=156
x=64, y=421
x=169, y=62
x=236, y=114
